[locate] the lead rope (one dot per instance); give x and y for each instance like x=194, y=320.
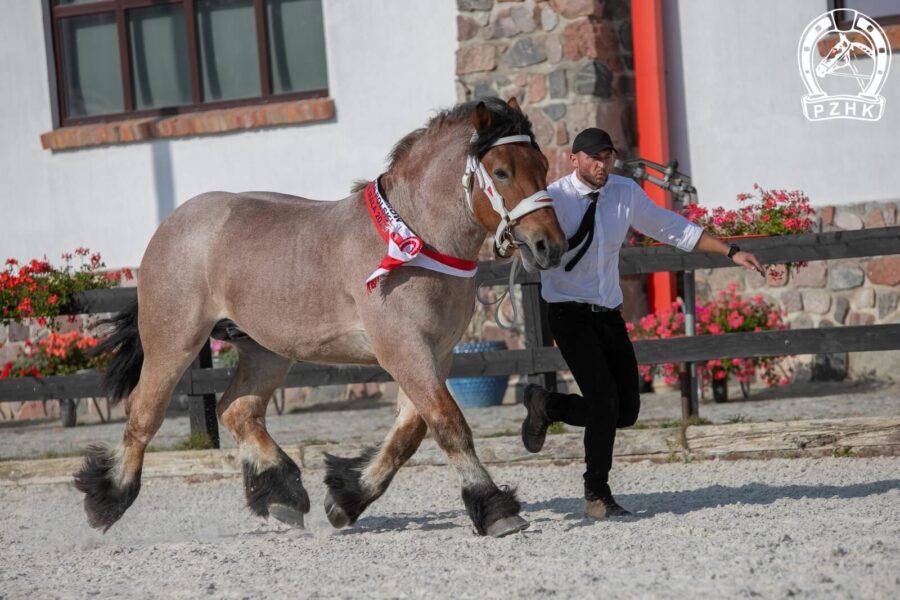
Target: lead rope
x=509, y=291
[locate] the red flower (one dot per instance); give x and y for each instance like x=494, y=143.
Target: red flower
x=36, y=289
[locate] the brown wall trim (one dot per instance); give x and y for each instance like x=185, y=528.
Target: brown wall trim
x=891, y=31
x=190, y=124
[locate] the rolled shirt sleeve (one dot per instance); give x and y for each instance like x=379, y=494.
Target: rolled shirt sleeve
x=661, y=224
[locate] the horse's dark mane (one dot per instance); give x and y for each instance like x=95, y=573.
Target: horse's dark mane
x=505, y=121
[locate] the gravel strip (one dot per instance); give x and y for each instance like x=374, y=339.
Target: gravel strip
x=369, y=426
x=816, y=528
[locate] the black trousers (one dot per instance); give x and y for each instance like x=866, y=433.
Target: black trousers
x=596, y=347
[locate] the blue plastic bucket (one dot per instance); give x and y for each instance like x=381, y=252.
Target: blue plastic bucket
x=472, y=392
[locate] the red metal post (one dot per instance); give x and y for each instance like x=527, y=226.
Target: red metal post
x=652, y=119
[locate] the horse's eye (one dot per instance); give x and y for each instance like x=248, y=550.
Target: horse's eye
x=501, y=174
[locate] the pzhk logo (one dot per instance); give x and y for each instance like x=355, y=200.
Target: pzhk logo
x=844, y=84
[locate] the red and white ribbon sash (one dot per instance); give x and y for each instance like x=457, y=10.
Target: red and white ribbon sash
x=404, y=247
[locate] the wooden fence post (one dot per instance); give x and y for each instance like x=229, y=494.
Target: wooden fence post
x=690, y=403
x=202, y=408
x=537, y=331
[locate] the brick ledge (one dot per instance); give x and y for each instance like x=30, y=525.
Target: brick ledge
x=191, y=124
x=891, y=31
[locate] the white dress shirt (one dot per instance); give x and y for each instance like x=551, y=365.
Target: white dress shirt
x=622, y=203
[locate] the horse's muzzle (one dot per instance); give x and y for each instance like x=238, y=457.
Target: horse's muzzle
x=539, y=253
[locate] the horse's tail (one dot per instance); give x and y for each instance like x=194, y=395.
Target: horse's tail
x=124, y=343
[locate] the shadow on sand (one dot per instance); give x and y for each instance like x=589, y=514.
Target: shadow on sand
x=432, y=521
x=683, y=502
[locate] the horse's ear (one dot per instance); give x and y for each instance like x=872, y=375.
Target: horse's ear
x=481, y=118
x=514, y=104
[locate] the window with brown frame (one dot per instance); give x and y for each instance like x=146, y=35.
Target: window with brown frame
x=885, y=12
x=127, y=58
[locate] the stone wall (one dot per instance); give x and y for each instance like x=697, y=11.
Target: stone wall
x=568, y=62
x=858, y=291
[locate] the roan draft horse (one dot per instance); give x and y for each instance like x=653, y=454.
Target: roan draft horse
x=284, y=279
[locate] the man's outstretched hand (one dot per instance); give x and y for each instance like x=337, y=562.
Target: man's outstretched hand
x=747, y=260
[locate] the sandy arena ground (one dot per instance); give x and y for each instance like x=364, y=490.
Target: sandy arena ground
x=367, y=422
x=816, y=528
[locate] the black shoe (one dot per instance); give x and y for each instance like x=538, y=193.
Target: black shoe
x=604, y=508
x=534, y=427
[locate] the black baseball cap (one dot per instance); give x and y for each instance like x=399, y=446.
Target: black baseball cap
x=592, y=141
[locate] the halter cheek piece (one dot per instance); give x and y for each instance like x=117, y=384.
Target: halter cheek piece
x=503, y=238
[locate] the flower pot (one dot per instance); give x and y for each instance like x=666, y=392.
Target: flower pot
x=720, y=390
x=472, y=392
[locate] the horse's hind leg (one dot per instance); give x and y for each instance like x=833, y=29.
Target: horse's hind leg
x=354, y=483
x=111, y=480
x=272, y=480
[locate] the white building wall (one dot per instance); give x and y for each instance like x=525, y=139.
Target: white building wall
x=390, y=66
x=735, y=116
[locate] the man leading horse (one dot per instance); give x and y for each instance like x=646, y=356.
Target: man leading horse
x=595, y=209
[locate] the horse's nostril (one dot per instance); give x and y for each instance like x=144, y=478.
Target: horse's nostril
x=541, y=246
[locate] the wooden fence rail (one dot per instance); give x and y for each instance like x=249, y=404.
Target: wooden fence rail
x=540, y=359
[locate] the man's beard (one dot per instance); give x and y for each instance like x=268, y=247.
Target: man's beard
x=593, y=181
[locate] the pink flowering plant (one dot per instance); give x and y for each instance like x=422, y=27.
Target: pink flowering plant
x=224, y=355
x=727, y=313
x=761, y=212
x=38, y=290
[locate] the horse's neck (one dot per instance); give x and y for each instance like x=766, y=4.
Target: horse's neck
x=428, y=196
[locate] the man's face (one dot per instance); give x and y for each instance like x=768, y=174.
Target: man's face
x=593, y=169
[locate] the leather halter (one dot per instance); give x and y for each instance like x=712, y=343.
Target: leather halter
x=503, y=238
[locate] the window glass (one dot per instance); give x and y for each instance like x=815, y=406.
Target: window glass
x=159, y=58
x=296, y=45
x=92, y=79
x=228, y=51
x=874, y=8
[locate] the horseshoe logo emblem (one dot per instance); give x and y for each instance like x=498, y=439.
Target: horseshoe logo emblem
x=844, y=81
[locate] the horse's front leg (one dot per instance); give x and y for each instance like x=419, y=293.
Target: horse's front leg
x=494, y=511
x=354, y=483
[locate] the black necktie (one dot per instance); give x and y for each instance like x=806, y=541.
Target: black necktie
x=586, y=229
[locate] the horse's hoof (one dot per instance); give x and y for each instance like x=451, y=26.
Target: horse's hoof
x=506, y=526
x=336, y=515
x=287, y=515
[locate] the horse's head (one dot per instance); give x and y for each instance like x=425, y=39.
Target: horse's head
x=511, y=200
x=837, y=52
